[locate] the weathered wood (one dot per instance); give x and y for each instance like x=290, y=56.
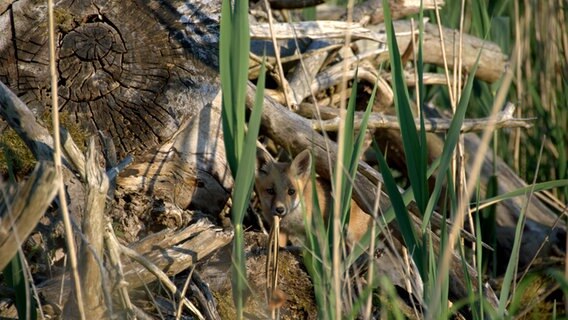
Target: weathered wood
x=91, y=251
x=380, y=120
x=136, y=86
x=23, y=121
x=492, y=61
x=174, y=251
x=371, y=11
x=139, y=88
x=307, y=80
x=162, y=278
x=306, y=70
x=314, y=30
x=509, y=211
x=364, y=71
x=544, y=233
x=190, y=170
x=170, y=250
x=22, y=207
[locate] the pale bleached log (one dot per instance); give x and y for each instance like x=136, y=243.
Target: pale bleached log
x=492, y=61
x=372, y=12
x=315, y=30
x=175, y=251
x=22, y=207
x=91, y=267
x=169, y=250
x=437, y=125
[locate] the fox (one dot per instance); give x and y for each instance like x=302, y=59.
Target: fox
x=285, y=190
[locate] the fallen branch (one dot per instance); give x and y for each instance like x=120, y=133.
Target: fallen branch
x=315, y=30
x=438, y=125
x=175, y=251
x=160, y=275
x=23, y=121
x=21, y=209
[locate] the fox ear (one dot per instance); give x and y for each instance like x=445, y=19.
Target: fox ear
x=263, y=159
x=302, y=164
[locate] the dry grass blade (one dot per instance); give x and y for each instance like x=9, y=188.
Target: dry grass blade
x=114, y=258
x=274, y=297
x=288, y=96
x=58, y=167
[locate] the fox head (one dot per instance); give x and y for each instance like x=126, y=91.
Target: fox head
x=280, y=185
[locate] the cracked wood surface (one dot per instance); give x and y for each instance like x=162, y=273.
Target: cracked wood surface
x=132, y=69
x=144, y=73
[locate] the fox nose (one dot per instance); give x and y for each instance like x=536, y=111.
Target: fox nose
x=280, y=211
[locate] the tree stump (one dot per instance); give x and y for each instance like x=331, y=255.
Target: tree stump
x=144, y=74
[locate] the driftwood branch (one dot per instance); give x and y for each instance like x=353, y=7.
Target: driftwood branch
x=308, y=79
x=379, y=120
x=170, y=250
x=162, y=277
x=371, y=11
x=21, y=209
x=23, y=121
x=315, y=30
x=91, y=253
x=492, y=61
x=176, y=251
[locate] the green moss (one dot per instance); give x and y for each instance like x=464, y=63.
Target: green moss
x=225, y=304
x=78, y=134
x=15, y=157
x=17, y=160
x=64, y=19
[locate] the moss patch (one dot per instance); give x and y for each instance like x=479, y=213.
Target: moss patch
x=16, y=159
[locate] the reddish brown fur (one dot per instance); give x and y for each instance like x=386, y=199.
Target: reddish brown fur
x=284, y=189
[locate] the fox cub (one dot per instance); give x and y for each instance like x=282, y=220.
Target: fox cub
x=284, y=190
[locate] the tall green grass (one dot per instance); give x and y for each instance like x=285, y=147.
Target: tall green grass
x=540, y=84
x=240, y=144
x=14, y=276
x=318, y=254
x=435, y=279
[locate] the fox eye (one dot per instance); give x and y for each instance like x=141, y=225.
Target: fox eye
x=270, y=191
x=291, y=192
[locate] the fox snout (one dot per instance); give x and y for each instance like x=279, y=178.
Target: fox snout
x=279, y=202
x=279, y=210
